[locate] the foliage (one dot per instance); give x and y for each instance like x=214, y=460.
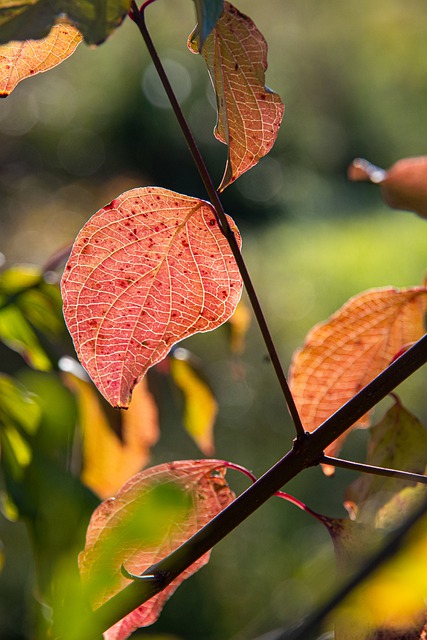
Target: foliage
x=147, y=270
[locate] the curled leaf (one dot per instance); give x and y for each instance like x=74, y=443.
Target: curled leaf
x=146, y=271
x=403, y=186
x=208, y=13
x=152, y=515
x=249, y=114
x=20, y=60
x=342, y=355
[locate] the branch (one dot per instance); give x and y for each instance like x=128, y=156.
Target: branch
x=305, y=453
x=379, y=471
x=139, y=19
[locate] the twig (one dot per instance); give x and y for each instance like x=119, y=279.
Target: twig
x=139, y=19
x=379, y=471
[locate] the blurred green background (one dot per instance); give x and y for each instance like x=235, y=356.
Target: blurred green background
x=353, y=77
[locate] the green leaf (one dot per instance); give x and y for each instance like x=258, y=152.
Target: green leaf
x=208, y=13
x=398, y=441
x=29, y=305
x=33, y=19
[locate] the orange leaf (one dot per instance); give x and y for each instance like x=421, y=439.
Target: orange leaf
x=249, y=114
x=343, y=354
x=151, y=516
x=20, y=60
x=148, y=270
x=109, y=460
x=403, y=186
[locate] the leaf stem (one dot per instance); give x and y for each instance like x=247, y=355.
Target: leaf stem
x=305, y=453
x=379, y=471
x=139, y=18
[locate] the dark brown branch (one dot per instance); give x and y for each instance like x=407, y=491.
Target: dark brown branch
x=379, y=471
x=306, y=452
x=139, y=19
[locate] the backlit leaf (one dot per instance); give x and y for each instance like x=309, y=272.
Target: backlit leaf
x=239, y=324
x=249, y=114
x=208, y=12
x=148, y=270
x=153, y=514
x=403, y=186
x=28, y=303
x=20, y=60
x=109, y=460
x=398, y=441
x=200, y=406
x=343, y=354
x=33, y=19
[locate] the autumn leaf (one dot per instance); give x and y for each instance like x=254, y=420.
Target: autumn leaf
x=239, y=324
x=20, y=60
x=403, y=186
x=109, y=459
x=249, y=114
x=33, y=19
x=146, y=271
x=151, y=516
x=398, y=441
x=200, y=406
x=342, y=355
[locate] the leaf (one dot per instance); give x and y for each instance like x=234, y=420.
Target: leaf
x=239, y=324
x=200, y=406
x=403, y=186
x=28, y=303
x=148, y=270
x=152, y=515
x=208, y=13
x=249, y=114
x=342, y=355
x=33, y=19
x=109, y=460
x=398, y=441
x=20, y=60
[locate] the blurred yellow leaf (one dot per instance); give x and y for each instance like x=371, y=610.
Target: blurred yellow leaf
x=20, y=60
x=200, y=406
x=110, y=460
x=239, y=324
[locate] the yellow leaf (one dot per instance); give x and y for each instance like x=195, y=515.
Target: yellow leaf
x=200, y=407
x=110, y=460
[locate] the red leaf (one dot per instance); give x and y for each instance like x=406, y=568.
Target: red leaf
x=343, y=354
x=148, y=270
x=151, y=516
x=249, y=114
x=20, y=60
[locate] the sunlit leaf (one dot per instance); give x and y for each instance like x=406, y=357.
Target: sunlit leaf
x=153, y=514
x=249, y=114
x=200, y=406
x=20, y=60
x=359, y=341
x=208, y=12
x=109, y=459
x=33, y=19
x=398, y=441
x=403, y=186
x=148, y=270
x=239, y=324
x=390, y=605
x=29, y=304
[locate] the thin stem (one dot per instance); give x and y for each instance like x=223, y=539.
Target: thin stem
x=139, y=18
x=379, y=471
x=306, y=452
